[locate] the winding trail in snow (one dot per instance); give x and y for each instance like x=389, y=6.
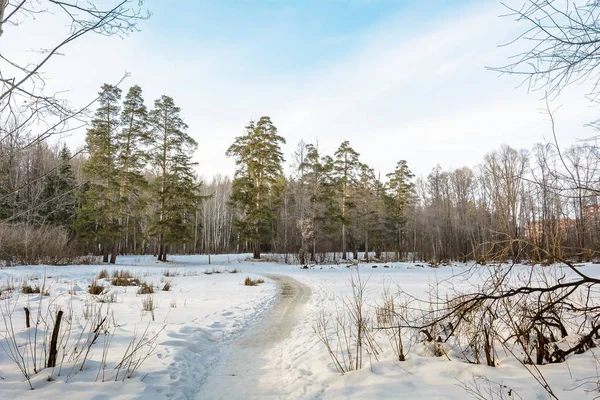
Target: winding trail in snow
x=254, y=366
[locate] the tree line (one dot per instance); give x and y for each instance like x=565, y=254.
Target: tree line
x=134, y=190
x=539, y=205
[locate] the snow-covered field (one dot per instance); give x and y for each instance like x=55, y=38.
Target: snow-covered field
x=210, y=336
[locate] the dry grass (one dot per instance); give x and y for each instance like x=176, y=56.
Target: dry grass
x=253, y=282
x=148, y=303
x=95, y=288
x=145, y=288
x=234, y=271
x=103, y=274
x=26, y=288
x=168, y=273
x=108, y=298
x=124, y=278
x=122, y=273
x=173, y=304
x=167, y=286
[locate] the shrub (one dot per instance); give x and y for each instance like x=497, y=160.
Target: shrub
x=24, y=245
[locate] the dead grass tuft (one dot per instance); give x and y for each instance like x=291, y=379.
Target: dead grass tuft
x=145, y=288
x=103, y=274
x=95, y=288
x=124, y=278
x=253, y=282
x=168, y=285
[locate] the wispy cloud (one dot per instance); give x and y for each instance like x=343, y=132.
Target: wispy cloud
x=400, y=88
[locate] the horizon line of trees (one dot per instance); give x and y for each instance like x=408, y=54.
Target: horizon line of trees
x=135, y=192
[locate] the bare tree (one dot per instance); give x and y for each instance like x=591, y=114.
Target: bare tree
x=563, y=40
x=25, y=104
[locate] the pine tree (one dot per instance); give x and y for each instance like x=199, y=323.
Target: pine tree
x=399, y=191
x=314, y=176
x=259, y=165
x=176, y=188
x=99, y=203
x=133, y=141
x=345, y=167
x=367, y=205
x=59, y=199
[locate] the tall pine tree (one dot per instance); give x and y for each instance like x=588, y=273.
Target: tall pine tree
x=399, y=191
x=99, y=202
x=345, y=166
x=133, y=142
x=177, y=192
x=259, y=162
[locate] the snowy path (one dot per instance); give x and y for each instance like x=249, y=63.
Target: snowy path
x=254, y=365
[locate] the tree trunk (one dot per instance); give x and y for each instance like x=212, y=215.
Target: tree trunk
x=105, y=253
x=54, y=341
x=160, y=252
x=256, y=253
x=113, y=253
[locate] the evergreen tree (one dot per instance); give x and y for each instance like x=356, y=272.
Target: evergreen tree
x=176, y=188
x=59, y=199
x=345, y=167
x=366, y=213
x=259, y=165
x=99, y=203
x=399, y=191
x=316, y=175
x=133, y=141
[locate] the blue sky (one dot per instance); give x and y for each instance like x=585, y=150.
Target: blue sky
x=398, y=79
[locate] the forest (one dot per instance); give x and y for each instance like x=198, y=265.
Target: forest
x=135, y=190
x=384, y=275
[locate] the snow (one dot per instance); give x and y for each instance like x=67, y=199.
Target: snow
x=215, y=343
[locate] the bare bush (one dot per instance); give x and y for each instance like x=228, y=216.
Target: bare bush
x=28, y=245
x=347, y=334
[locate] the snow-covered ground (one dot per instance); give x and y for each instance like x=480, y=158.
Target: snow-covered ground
x=212, y=338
